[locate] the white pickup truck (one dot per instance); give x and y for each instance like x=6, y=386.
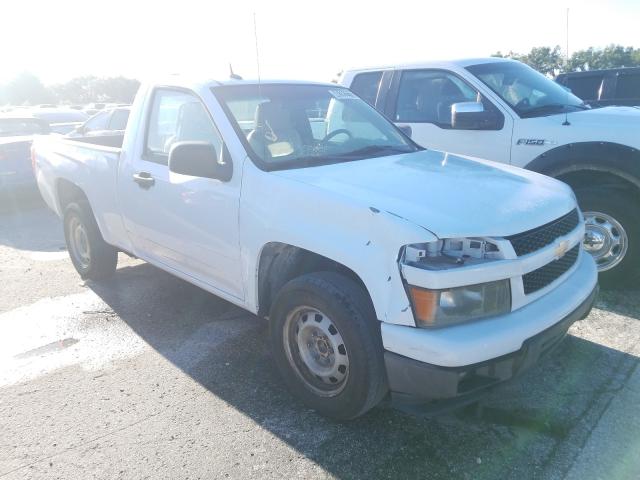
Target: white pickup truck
x=504, y=110
x=381, y=267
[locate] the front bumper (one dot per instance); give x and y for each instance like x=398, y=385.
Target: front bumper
x=419, y=386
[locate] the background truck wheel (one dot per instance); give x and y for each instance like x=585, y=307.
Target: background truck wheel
x=92, y=257
x=326, y=343
x=612, y=233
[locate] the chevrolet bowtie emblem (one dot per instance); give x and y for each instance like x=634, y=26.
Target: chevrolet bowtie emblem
x=561, y=249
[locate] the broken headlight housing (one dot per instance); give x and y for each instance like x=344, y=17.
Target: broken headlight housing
x=444, y=307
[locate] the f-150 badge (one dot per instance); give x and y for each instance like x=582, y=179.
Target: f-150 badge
x=534, y=142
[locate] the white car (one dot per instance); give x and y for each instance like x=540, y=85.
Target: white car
x=381, y=267
x=503, y=110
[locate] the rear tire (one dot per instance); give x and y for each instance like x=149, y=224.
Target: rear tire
x=326, y=344
x=613, y=233
x=91, y=256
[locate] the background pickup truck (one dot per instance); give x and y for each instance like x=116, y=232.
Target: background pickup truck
x=381, y=267
x=505, y=111
x=600, y=88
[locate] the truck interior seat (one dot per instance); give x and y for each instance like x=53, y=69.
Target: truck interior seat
x=274, y=134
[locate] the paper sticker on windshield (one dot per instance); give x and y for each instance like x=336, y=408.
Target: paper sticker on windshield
x=343, y=94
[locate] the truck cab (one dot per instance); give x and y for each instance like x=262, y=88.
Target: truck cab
x=503, y=110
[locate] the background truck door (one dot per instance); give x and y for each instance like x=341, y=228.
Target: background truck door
x=187, y=223
x=422, y=99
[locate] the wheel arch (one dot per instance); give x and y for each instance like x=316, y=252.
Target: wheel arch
x=280, y=262
x=67, y=192
x=592, y=163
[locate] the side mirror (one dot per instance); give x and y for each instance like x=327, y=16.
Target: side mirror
x=406, y=129
x=79, y=129
x=198, y=159
x=472, y=116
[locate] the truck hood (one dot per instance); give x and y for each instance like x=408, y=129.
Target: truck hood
x=449, y=195
x=607, y=116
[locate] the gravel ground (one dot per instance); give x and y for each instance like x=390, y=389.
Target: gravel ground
x=146, y=376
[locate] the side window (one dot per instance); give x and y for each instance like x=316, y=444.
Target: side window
x=97, y=122
x=119, y=119
x=628, y=86
x=366, y=85
x=586, y=87
x=426, y=96
x=177, y=116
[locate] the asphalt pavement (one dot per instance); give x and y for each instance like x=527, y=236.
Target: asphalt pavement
x=147, y=376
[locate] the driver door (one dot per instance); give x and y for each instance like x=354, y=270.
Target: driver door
x=186, y=223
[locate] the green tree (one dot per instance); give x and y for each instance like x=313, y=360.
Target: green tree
x=77, y=90
x=546, y=60
x=550, y=61
x=612, y=56
x=89, y=89
x=26, y=89
x=116, y=89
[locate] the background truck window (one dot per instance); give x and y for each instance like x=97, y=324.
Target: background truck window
x=426, y=96
x=119, y=119
x=586, y=87
x=366, y=85
x=628, y=86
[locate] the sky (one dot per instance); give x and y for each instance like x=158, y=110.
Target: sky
x=61, y=39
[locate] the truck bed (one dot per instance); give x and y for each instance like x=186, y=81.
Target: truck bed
x=113, y=141
x=89, y=163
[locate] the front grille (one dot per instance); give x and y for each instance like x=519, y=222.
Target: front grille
x=537, y=238
x=543, y=276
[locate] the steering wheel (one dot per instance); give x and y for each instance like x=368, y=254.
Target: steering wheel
x=524, y=103
x=339, y=131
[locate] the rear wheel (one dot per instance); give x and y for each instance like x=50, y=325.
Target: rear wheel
x=612, y=237
x=326, y=344
x=92, y=257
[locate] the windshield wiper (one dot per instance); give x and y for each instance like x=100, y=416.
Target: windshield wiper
x=551, y=107
x=374, y=150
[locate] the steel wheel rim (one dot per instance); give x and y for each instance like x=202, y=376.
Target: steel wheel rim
x=316, y=351
x=605, y=239
x=79, y=243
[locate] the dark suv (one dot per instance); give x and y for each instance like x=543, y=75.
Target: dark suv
x=599, y=88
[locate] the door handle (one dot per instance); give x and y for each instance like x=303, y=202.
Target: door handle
x=144, y=179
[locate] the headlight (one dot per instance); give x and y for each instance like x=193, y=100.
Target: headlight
x=450, y=253
x=438, y=308
x=435, y=308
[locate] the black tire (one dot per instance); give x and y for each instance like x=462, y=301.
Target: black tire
x=625, y=209
x=102, y=258
x=349, y=309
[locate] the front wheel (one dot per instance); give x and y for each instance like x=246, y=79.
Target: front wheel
x=612, y=236
x=326, y=344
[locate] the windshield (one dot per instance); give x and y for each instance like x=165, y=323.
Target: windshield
x=292, y=126
x=528, y=92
